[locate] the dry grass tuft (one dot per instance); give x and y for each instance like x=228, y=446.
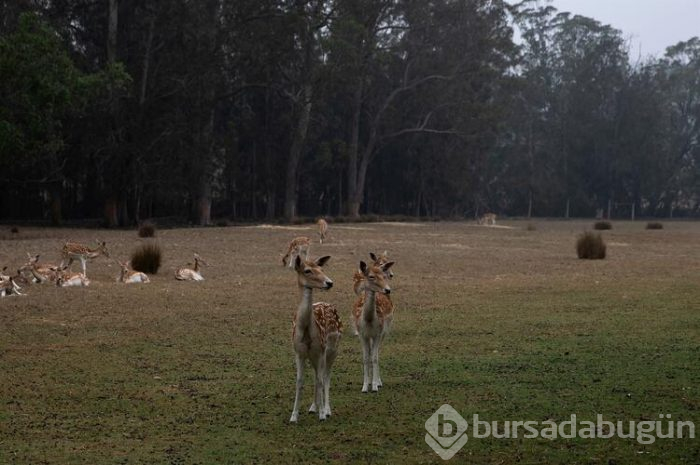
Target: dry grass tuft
x=590, y=246
x=147, y=229
x=655, y=225
x=147, y=258
x=602, y=225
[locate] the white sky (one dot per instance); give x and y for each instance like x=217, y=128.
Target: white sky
x=652, y=25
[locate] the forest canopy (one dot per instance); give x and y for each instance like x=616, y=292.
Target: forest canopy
x=250, y=109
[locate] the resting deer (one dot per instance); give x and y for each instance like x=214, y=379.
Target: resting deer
x=41, y=272
x=130, y=276
x=297, y=247
x=66, y=278
x=373, y=320
x=191, y=274
x=488, y=219
x=316, y=331
x=9, y=287
x=322, y=230
x=73, y=251
x=383, y=301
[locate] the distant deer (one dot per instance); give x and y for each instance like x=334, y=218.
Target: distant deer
x=373, y=321
x=130, y=276
x=299, y=246
x=73, y=251
x=316, y=331
x=192, y=274
x=322, y=230
x=488, y=219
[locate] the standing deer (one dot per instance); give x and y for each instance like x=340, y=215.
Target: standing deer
x=373, y=320
x=73, y=251
x=299, y=246
x=316, y=331
x=322, y=230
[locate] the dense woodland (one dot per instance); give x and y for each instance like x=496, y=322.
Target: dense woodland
x=258, y=109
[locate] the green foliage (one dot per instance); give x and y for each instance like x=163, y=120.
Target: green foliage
x=590, y=246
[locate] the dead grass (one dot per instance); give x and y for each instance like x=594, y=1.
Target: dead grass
x=505, y=323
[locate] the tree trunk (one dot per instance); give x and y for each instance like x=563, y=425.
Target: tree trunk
x=352, y=207
x=295, y=152
x=111, y=217
x=56, y=206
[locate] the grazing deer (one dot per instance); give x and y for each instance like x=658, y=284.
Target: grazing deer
x=41, y=272
x=316, y=331
x=296, y=247
x=191, y=274
x=488, y=219
x=68, y=279
x=73, y=251
x=373, y=320
x=130, y=276
x=322, y=230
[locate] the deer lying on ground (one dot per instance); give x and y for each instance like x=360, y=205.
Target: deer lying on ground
x=129, y=276
x=191, y=274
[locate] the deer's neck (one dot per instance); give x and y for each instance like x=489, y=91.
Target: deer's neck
x=304, y=310
x=369, y=311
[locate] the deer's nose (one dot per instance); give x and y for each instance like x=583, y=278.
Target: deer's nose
x=387, y=290
x=329, y=284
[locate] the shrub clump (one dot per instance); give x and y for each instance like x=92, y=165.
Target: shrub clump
x=530, y=227
x=590, y=246
x=602, y=225
x=147, y=229
x=655, y=225
x=14, y=230
x=147, y=258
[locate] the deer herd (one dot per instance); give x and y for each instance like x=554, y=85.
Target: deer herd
x=61, y=275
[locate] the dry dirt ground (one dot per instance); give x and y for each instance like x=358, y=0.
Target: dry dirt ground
x=501, y=322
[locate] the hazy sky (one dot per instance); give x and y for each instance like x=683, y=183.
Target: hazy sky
x=653, y=25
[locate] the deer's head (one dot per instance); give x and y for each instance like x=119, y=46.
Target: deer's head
x=310, y=273
x=376, y=276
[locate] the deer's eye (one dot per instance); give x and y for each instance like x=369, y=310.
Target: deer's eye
x=372, y=278
x=307, y=271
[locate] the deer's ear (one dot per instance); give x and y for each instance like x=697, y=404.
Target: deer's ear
x=363, y=267
x=297, y=263
x=372, y=256
x=323, y=260
x=387, y=265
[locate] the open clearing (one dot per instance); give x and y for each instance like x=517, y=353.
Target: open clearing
x=504, y=323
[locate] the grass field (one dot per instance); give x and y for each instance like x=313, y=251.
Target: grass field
x=496, y=321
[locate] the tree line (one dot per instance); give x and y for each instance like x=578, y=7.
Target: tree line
x=250, y=109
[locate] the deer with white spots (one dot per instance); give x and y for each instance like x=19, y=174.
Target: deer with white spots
x=373, y=320
x=316, y=331
x=298, y=247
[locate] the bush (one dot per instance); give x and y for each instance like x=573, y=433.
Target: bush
x=531, y=227
x=147, y=229
x=14, y=230
x=655, y=225
x=602, y=225
x=590, y=246
x=147, y=258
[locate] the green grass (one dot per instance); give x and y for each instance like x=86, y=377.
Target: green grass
x=184, y=375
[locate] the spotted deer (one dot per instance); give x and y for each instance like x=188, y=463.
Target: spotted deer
x=299, y=246
x=129, y=276
x=73, y=251
x=9, y=287
x=41, y=272
x=383, y=301
x=66, y=278
x=373, y=320
x=192, y=274
x=316, y=332
x=322, y=230
x=488, y=219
